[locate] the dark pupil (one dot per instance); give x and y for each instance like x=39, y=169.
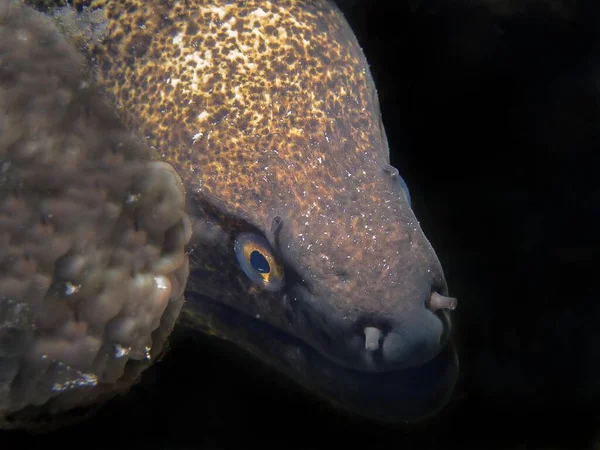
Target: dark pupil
x=259, y=262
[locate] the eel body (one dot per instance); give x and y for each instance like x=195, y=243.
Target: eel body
x=305, y=250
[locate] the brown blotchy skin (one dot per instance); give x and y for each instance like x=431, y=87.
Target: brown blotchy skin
x=268, y=109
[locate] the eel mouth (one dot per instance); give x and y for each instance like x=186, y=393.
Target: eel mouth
x=406, y=395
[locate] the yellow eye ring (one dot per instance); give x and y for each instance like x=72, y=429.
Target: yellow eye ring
x=257, y=260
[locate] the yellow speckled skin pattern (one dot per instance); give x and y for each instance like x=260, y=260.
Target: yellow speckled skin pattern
x=267, y=110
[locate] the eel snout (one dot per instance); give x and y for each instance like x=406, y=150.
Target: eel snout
x=401, y=343
x=412, y=334
x=375, y=337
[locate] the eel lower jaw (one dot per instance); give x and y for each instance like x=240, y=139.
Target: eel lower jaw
x=391, y=396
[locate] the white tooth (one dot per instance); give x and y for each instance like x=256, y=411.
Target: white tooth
x=372, y=336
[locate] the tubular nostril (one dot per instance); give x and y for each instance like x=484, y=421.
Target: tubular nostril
x=437, y=301
x=372, y=336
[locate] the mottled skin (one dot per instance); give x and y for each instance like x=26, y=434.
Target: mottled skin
x=268, y=110
x=93, y=231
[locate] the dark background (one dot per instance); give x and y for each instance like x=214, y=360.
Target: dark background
x=492, y=109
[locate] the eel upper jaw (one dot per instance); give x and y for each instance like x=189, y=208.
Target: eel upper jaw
x=371, y=343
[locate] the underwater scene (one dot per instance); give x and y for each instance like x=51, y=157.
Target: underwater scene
x=299, y=224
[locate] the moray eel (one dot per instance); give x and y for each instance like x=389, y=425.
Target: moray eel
x=304, y=248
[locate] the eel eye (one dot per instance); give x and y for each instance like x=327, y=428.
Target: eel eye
x=257, y=260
